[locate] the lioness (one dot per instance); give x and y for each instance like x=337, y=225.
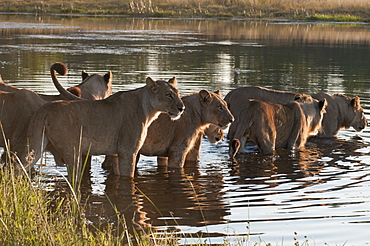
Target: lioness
x=172, y=140
x=342, y=113
x=116, y=125
x=93, y=87
x=310, y=106
x=18, y=105
x=270, y=125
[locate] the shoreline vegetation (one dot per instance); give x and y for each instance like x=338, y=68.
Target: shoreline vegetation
x=328, y=10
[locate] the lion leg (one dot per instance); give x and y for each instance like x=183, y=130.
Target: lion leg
x=126, y=164
x=193, y=154
x=34, y=152
x=162, y=161
x=110, y=161
x=265, y=142
x=176, y=159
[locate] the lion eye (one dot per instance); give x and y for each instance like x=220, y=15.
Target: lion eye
x=220, y=108
x=169, y=96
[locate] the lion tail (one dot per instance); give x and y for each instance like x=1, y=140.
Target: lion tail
x=62, y=70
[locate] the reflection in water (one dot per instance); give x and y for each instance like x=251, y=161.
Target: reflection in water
x=162, y=199
x=321, y=192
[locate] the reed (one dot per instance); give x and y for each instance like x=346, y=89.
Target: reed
x=195, y=8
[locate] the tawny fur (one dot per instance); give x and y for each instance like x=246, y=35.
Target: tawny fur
x=310, y=106
x=116, y=125
x=270, y=125
x=342, y=112
x=18, y=105
x=174, y=139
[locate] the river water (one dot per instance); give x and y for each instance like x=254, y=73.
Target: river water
x=320, y=194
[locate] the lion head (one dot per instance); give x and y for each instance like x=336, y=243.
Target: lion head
x=356, y=115
x=166, y=96
x=215, y=109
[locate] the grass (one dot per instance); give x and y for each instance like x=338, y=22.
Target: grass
x=29, y=215
x=309, y=9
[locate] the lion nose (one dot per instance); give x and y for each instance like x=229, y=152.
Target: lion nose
x=231, y=120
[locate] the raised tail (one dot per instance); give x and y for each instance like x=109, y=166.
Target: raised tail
x=62, y=70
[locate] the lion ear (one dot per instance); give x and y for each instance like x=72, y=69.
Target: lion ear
x=84, y=75
x=75, y=91
x=173, y=81
x=355, y=102
x=153, y=86
x=108, y=76
x=205, y=96
x=218, y=92
x=323, y=104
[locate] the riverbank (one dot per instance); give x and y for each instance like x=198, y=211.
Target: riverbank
x=333, y=10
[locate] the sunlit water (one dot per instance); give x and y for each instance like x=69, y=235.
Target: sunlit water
x=321, y=194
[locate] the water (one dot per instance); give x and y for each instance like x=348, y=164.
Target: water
x=320, y=194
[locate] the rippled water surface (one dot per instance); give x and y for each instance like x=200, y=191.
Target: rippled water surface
x=322, y=193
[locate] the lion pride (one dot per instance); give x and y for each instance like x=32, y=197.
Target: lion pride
x=270, y=125
x=115, y=125
x=342, y=112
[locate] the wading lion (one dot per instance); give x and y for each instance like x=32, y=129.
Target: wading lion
x=171, y=141
x=342, y=112
x=310, y=106
x=115, y=125
x=270, y=126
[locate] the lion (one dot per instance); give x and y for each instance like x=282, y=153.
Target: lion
x=171, y=141
x=270, y=125
x=93, y=87
x=18, y=105
x=115, y=125
x=310, y=106
x=342, y=113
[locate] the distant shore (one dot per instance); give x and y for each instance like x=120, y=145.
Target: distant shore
x=329, y=10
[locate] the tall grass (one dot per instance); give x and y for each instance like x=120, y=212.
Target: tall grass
x=29, y=216
x=203, y=8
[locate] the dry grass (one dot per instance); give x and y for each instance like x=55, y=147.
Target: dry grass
x=194, y=8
